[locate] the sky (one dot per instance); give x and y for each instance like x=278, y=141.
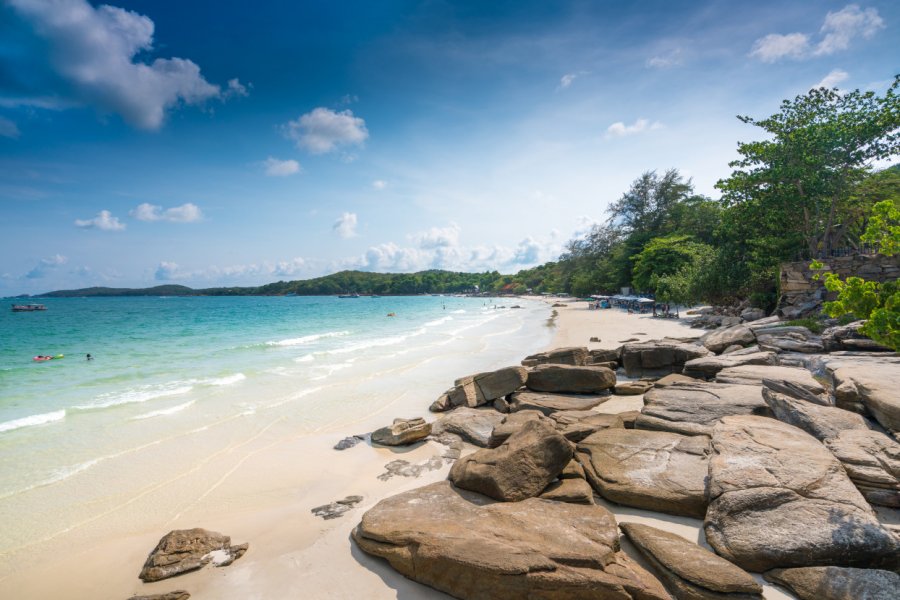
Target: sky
x=238, y=143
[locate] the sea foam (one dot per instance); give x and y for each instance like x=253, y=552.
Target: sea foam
x=33, y=420
x=306, y=339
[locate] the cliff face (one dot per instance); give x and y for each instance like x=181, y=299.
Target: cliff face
x=801, y=295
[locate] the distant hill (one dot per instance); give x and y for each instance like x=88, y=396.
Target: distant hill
x=160, y=290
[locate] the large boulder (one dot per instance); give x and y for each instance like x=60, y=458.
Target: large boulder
x=568, y=379
x=184, y=550
x=837, y=583
x=465, y=545
x=519, y=468
x=707, y=367
x=632, y=388
x=789, y=339
x=719, y=339
x=513, y=423
x=753, y=314
x=694, y=408
x=872, y=461
x=658, y=357
x=575, y=425
x=474, y=425
x=603, y=355
x=402, y=432
x=573, y=490
x=778, y=498
x=821, y=422
x=873, y=386
x=482, y=388
x=689, y=571
x=782, y=377
x=655, y=470
x=577, y=356
x=551, y=403
x=848, y=337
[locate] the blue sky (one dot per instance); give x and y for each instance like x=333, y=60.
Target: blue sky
x=238, y=143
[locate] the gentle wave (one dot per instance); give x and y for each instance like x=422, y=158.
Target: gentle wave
x=142, y=394
x=307, y=339
x=376, y=343
x=33, y=420
x=305, y=358
x=438, y=322
x=163, y=412
x=227, y=380
x=459, y=312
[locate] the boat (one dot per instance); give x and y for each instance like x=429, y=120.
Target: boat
x=354, y=295
x=28, y=307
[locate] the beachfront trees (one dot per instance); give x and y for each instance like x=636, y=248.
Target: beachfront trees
x=669, y=256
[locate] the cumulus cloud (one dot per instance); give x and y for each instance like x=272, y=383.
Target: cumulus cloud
x=8, y=129
x=103, y=221
x=186, y=213
x=832, y=79
x=838, y=31
x=528, y=252
x=167, y=271
x=323, y=130
x=45, y=265
x=620, y=129
x=236, y=88
x=665, y=61
x=437, y=237
x=281, y=168
x=379, y=184
x=92, y=56
x=345, y=226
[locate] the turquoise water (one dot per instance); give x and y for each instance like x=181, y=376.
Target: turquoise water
x=182, y=390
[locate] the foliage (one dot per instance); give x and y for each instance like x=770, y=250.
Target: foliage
x=813, y=325
x=666, y=256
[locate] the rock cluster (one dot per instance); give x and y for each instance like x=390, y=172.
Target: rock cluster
x=184, y=550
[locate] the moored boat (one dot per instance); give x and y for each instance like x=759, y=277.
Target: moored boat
x=28, y=307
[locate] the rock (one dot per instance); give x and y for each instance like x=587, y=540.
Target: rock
x=176, y=595
x=789, y=339
x=719, y=339
x=575, y=425
x=595, y=339
x=518, y=469
x=764, y=322
x=674, y=378
x=349, y=442
x=659, y=357
x=402, y=432
x=778, y=498
x=655, y=470
x=501, y=405
x=708, y=367
x=875, y=386
x=404, y=468
x=734, y=348
x=570, y=379
x=184, y=550
x=573, y=470
x=694, y=408
x=689, y=571
x=821, y=422
x=872, y=461
x=848, y=337
x=629, y=417
x=461, y=543
x=753, y=314
x=472, y=424
x=604, y=355
x=337, y=508
x=482, y=388
x=611, y=365
x=511, y=424
x=632, y=388
x=441, y=404
x=550, y=403
x=574, y=491
x=577, y=356
x=778, y=377
x=837, y=583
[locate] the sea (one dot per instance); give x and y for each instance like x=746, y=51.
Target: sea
x=177, y=383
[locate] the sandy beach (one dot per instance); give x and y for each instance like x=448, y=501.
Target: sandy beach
x=265, y=499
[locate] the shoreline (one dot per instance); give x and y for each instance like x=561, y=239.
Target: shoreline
x=289, y=547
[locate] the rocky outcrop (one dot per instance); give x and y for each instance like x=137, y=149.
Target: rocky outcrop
x=184, y=550
x=848, y=337
x=694, y=408
x=778, y=498
x=778, y=377
x=655, y=470
x=632, y=388
x=402, y=432
x=568, y=379
x=659, y=357
x=873, y=386
x=474, y=425
x=577, y=356
x=674, y=378
x=789, y=339
x=821, y=422
x=719, y=339
x=688, y=571
x=520, y=468
x=575, y=491
x=604, y=356
x=575, y=425
x=511, y=424
x=481, y=388
x=837, y=583
x=872, y=461
x=753, y=314
x=551, y=403
x=465, y=545
x=708, y=367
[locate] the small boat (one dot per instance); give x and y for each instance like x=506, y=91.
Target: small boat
x=354, y=295
x=28, y=307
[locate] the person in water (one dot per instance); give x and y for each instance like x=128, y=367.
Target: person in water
x=89, y=357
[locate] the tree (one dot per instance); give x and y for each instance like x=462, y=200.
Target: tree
x=821, y=145
x=666, y=256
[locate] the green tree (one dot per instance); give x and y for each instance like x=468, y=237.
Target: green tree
x=666, y=256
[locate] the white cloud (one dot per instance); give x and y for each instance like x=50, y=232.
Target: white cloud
x=323, y=130
x=379, y=184
x=281, y=168
x=45, y=265
x=832, y=79
x=838, y=31
x=167, y=271
x=345, y=226
x=437, y=237
x=103, y=221
x=620, y=129
x=528, y=252
x=93, y=50
x=236, y=88
x=775, y=46
x=842, y=26
x=665, y=61
x=186, y=213
x=8, y=129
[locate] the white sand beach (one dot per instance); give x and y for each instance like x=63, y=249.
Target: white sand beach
x=266, y=497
